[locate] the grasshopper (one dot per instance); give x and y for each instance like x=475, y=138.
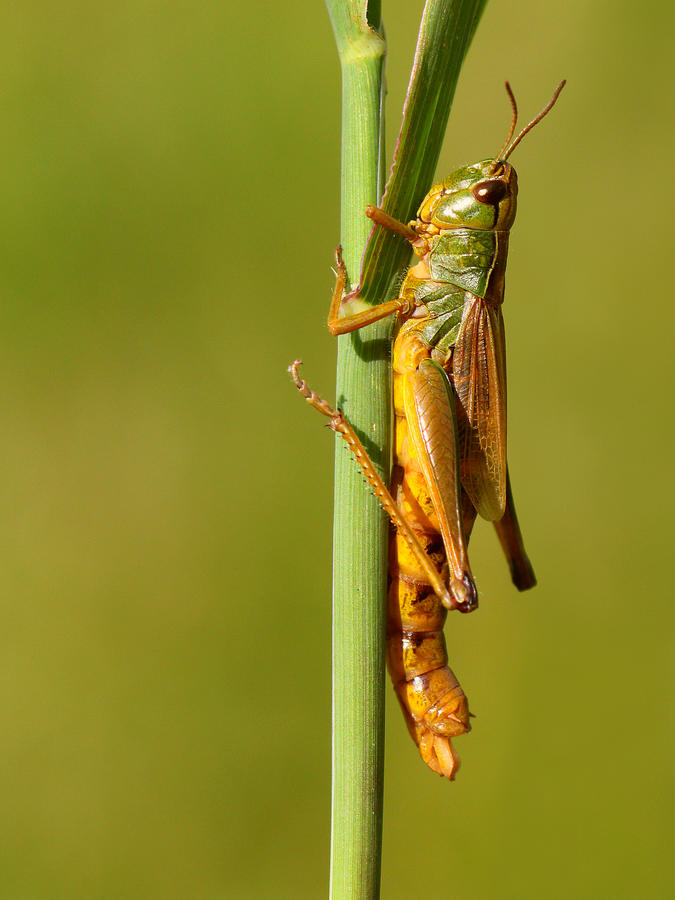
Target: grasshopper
x=449, y=463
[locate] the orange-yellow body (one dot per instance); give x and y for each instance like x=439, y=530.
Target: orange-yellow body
x=450, y=430
x=433, y=702
x=444, y=367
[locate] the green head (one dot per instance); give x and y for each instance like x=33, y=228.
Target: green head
x=482, y=195
x=476, y=196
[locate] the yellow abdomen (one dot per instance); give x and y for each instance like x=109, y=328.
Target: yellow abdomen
x=433, y=702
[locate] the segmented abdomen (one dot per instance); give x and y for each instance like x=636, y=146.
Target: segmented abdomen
x=432, y=699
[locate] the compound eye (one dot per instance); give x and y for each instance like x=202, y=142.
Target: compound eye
x=489, y=191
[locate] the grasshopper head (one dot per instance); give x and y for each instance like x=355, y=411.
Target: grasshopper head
x=482, y=196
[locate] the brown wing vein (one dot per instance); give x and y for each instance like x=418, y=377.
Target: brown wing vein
x=479, y=374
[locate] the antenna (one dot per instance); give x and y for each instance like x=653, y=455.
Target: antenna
x=534, y=121
x=514, y=107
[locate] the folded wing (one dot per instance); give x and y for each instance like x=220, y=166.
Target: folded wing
x=479, y=375
x=430, y=412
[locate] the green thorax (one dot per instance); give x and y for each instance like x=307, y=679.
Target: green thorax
x=463, y=264
x=443, y=304
x=467, y=258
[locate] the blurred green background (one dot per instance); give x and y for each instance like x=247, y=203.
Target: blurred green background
x=169, y=182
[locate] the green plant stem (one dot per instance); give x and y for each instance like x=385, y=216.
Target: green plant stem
x=364, y=395
x=360, y=527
